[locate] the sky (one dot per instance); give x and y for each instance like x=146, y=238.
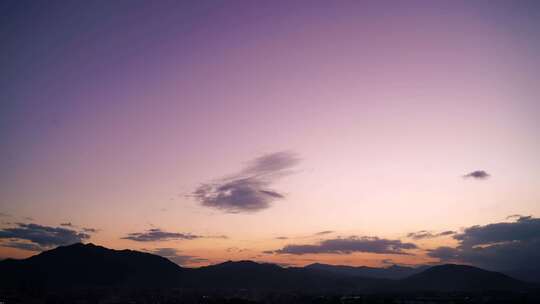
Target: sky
x=292, y=132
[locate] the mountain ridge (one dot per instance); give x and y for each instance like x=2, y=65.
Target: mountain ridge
x=89, y=265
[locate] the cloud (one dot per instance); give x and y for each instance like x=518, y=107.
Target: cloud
x=90, y=230
x=248, y=191
x=4, y=214
x=156, y=235
x=43, y=236
x=282, y=238
x=173, y=255
x=350, y=245
x=66, y=224
x=23, y=246
x=424, y=234
x=499, y=246
x=478, y=174
x=525, y=228
x=447, y=232
x=324, y=232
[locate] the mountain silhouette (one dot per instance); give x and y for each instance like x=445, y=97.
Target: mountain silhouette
x=89, y=266
x=249, y=274
x=391, y=272
x=452, y=277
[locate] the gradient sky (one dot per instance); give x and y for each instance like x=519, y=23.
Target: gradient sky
x=114, y=113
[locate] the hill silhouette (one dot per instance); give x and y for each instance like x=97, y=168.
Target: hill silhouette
x=88, y=266
x=452, y=277
x=81, y=265
x=253, y=275
x=391, y=272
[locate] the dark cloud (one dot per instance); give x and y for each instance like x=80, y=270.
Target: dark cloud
x=525, y=228
x=43, y=236
x=175, y=256
x=350, y=245
x=242, y=195
x=478, y=174
x=248, y=191
x=68, y=224
x=90, y=230
x=499, y=246
x=4, y=214
x=282, y=238
x=156, y=235
x=324, y=232
x=424, y=234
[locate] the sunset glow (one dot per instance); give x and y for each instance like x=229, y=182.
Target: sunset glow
x=341, y=132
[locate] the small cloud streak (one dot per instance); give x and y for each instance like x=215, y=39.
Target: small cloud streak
x=23, y=246
x=324, y=232
x=90, y=230
x=248, y=191
x=157, y=235
x=478, y=174
x=350, y=245
x=424, y=234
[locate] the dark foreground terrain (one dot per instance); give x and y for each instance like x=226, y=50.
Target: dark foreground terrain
x=88, y=273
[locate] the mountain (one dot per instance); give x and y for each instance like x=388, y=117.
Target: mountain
x=451, y=277
x=392, y=272
x=531, y=274
x=89, y=266
x=252, y=275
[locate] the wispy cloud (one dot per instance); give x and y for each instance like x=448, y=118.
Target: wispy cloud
x=324, y=232
x=156, y=234
x=90, y=230
x=424, y=234
x=23, y=245
x=478, y=174
x=349, y=245
x=249, y=190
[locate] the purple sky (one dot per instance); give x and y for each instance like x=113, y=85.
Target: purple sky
x=263, y=120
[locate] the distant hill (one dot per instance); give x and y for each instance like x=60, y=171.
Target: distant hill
x=451, y=277
x=392, y=272
x=88, y=266
x=531, y=274
x=249, y=274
